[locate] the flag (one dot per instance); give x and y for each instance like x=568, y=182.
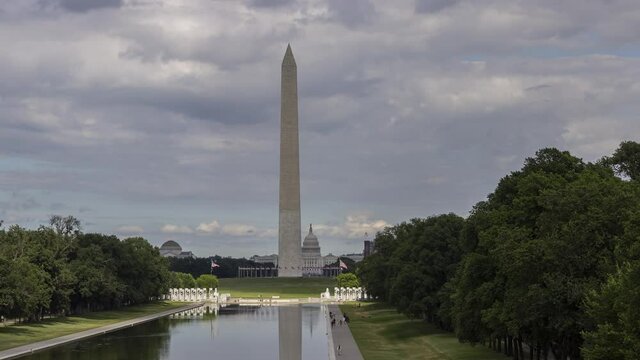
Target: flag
x=213, y=265
x=342, y=265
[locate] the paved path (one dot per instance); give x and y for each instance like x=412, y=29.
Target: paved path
x=42, y=345
x=342, y=336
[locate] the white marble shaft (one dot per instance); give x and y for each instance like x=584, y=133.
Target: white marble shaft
x=290, y=332
x=289, y=230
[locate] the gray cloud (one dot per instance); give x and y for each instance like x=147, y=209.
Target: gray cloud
x=352, y=13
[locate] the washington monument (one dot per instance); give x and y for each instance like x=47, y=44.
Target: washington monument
x=289, y=232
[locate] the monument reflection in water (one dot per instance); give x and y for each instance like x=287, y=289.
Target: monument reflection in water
x=240, y=332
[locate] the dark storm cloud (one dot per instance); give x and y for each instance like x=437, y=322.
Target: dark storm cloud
x=230, y=109
x=269, y=3
x=83, y=6
x=429, y=6
x=19, y=202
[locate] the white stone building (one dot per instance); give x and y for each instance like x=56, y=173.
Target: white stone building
x=173, y=249
x=329, y=259
x=265, y=259
x=312, y=263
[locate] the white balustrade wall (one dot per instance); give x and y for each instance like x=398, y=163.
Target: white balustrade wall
x=193, y=294
x=345, y=294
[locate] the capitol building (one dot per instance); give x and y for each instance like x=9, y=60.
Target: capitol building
x=312, y=261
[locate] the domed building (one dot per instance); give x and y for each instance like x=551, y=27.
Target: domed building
x=173, y=249
x=311, y=259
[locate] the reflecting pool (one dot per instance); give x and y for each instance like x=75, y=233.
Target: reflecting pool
x=236, y=332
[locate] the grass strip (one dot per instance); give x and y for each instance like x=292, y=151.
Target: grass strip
x=22, y=334
x=383, y=334
x=286, y=288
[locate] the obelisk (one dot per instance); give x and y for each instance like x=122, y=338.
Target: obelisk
x=289, y=235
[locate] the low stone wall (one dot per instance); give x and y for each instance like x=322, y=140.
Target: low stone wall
x=196, y=295
x=345, y=294
x=212, y=295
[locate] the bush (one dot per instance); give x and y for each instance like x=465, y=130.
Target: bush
x=347, y=280
x=207, y=281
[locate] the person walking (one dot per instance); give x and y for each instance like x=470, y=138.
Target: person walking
x=339, y=349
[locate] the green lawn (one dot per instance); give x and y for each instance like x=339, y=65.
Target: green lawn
x=383, y=334
x=22, y=334
x=290, y=288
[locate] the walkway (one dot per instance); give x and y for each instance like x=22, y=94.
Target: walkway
x=42, y=345
x=342, y=336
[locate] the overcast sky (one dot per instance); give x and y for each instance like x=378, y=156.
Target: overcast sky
x=160, y=118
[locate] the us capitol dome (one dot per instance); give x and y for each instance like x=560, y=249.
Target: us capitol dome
x=312, y=262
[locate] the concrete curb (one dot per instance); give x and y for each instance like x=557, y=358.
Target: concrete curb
x=332, y=353
x=47, y=344
x=342, y=335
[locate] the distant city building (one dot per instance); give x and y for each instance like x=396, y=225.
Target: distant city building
x=311, y=259
x=329, y=259
x=173, y=249
x=368, y=248
x=265, y=259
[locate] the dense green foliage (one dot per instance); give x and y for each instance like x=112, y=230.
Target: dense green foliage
x=182, y=280
x=549, y=259
x=412, y=262
x=616, y=310
x=59, y=270
x=207, y=281
x=347, y=280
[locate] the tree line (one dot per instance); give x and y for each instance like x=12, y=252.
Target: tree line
x=547, y=266
x=187, y=281
x=58, y=270
x=227, y=266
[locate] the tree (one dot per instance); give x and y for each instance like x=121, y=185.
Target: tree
x=615, y=310
x=186, y=280
x=66, y=226
x=413, y=262
x=540, y=243
x=24, y=292
x=59, y=271
x=347, y=280
x=143, y=271
x=207, y=281
x=626, y=160
x=95, y=267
